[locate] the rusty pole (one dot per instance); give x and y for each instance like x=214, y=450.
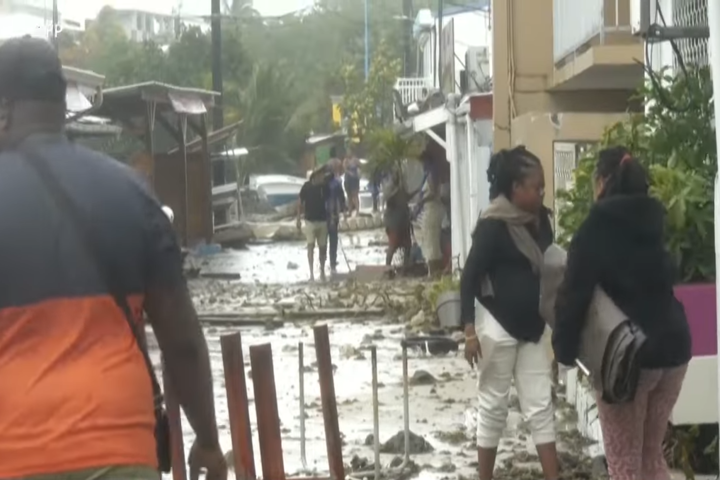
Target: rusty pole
x=266, y=409
x=238, y=410
x=329, y=403
x=177, y=446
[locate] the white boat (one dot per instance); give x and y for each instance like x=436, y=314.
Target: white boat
x=278, y=190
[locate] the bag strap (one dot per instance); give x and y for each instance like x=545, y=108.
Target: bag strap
x=82, y=226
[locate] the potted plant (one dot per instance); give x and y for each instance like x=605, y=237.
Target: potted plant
x=444, y=296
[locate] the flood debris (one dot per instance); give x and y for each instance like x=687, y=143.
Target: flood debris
x=453, y=437
x=396, y=444
x=421, y=377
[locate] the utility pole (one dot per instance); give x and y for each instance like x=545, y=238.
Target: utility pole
x=438, y=37
x=408, y=19
x=367, y=40
x=55, y=22
x=217, y=80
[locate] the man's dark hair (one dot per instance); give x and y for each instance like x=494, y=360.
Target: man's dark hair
x=30, y=70
x=508, y=167
x=622, y=173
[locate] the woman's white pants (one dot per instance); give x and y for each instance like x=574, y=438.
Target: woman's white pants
x=529, y=364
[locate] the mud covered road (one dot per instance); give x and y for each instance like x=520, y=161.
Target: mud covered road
x=442, y=391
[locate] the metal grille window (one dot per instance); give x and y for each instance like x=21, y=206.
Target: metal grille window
x=691, y=13
x=566, y=156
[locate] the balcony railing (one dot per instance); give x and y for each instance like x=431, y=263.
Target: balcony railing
x=413, y=89
x=576, y=22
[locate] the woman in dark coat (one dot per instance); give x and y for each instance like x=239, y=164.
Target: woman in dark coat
x=620, y=248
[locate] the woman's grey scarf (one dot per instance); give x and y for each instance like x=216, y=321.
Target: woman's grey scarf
x=517, y=221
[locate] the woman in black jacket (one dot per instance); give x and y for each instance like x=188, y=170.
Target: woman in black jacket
x=620, y=248
x=503, y=272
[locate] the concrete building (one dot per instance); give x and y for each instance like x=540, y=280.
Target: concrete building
x=563, y=70
x=32, y=17
x=141, y=25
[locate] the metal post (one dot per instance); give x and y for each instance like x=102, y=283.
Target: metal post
x=55, y=22
x=440, y=43
x=714, y=48
x=217, y=79
x=376, y=411
x=367, y=39
x=238, y=410
x=376, y=416
x=301, y=394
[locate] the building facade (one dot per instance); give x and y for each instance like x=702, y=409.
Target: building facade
x=162, y=28
x=32, y=17
x=563, y=71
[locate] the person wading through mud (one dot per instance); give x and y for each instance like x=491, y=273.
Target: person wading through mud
x=77, y=400
x=620, y=246
x=336, y=207
x=431, y=211
x=502, y=272
x=351, y=167
x=312, y=204
x=397, y=217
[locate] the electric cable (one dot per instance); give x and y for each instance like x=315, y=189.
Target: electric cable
x=655, y=80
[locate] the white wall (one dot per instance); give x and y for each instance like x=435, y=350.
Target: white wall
x=471, y=143
x=471, y=30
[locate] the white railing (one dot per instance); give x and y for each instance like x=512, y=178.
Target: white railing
x=575, y=22
x=413, y=89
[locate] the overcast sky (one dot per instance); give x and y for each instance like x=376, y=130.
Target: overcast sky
x=81, y=9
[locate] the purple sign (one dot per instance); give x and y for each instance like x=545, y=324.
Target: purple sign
x=699, y=302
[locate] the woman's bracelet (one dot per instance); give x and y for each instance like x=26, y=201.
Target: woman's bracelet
x=471, y=337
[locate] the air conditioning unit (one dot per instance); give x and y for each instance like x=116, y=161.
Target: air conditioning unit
x=477, y=67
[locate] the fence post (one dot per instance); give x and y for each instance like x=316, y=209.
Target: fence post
x=329, y=403
x=266, y=408
x=238, y=409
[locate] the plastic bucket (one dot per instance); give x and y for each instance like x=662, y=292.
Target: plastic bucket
x=448, y=309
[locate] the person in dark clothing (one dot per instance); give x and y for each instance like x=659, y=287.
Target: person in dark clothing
x=503, y=273
x=620, y=248
x=77, y=400
x=313, y=202
x=336, y=207
x=396, y=217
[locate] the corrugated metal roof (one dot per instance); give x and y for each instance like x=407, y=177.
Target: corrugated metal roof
x=137, y=89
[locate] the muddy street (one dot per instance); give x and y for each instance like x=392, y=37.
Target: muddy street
x=442, y=387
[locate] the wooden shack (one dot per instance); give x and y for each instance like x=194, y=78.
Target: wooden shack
x=172, y=123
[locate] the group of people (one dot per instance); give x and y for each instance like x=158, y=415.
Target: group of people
x=619, y=247
x=79, y=395
x=323, y=201
x=432, y=209
x=331, y=191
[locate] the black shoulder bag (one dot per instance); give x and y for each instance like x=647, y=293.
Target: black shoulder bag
x=84, y=231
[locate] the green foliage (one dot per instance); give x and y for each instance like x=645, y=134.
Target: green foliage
x=679, y=150
x=387, y=149
x=447, y=283
x=368, y=105
x=278, y=73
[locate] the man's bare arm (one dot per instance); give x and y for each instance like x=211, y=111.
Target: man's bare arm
x=177, y=329
x=185, y=354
